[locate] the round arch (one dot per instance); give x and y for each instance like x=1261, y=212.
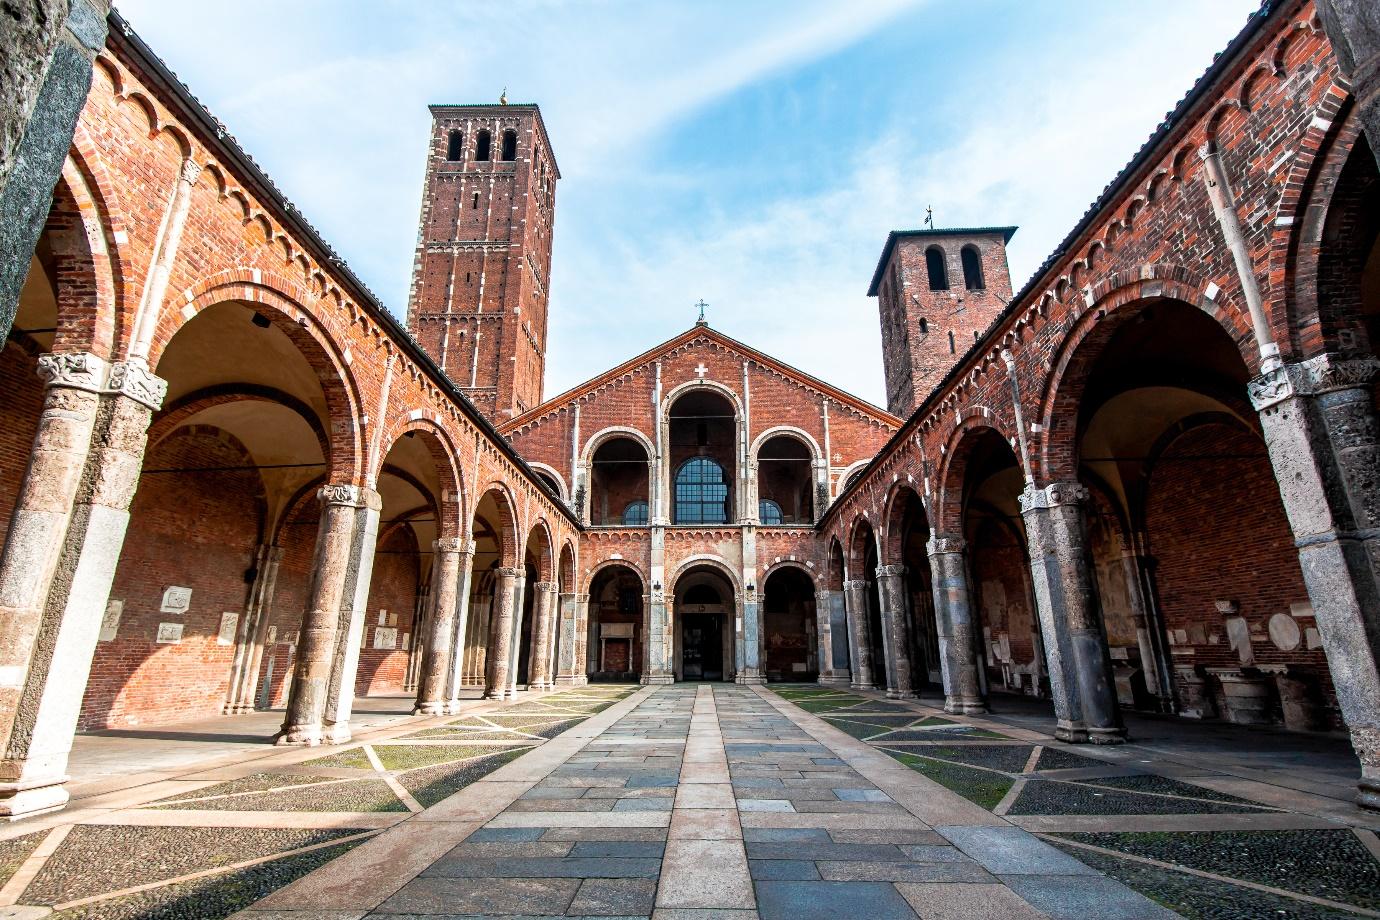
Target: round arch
x=1119, y=301
x=958, y=451
x=506, y=526
x=340, y=389
x=707, y=560
x=690, y=386
x=438, y=442
x=603, y=435
x=545, y=549
x=561, y=491
x=790, y=431
x=604, y=564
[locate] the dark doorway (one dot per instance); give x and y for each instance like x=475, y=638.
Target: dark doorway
x=702, y=651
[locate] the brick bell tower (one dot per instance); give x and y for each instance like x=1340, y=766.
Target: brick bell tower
x=937, y=291
x=483, y=265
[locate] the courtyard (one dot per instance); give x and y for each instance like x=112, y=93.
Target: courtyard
x=696, y=801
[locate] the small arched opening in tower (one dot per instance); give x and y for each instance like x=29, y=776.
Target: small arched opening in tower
x=972, y=268
x=509, y=153
x=481, y=147
x=938, y=272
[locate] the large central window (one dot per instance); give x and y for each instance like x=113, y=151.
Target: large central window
x=701, y=493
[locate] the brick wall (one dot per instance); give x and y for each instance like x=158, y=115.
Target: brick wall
x=392, y=598
x=19, y=413
x=193, y=530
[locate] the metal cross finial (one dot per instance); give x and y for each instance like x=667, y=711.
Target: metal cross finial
x=701, y=321
x=929, y=217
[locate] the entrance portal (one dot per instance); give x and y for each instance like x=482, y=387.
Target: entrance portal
x=702, y=624
x=701, y=646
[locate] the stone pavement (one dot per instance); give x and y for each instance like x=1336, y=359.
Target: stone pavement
x=709, y=801
x=698, y=801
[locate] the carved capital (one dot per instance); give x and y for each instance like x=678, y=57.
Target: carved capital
x=135, y=380
x=886, y=571
x=1035, y=498
x=191, y=171
x=855, y=584
x=508, y=571
x=548, y=587
x=74, y=371
x=450, y=545
x=341, y=494
x=1324, y=373
x=942, y=543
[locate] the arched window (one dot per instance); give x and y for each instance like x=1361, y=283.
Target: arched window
x=938, y=272
x=953, y=349
x=481, y=147
x=455, y=146
x=972, y=268
x=701, y=493
x=635, y=514
x=769, y=511
x=509, y=146
x=924, y=326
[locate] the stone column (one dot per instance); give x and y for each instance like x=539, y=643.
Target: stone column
x=953, y=617
x=891, y=593
x=543, y=612
x=833, y=638
x=252, y=631
x=1080, y=670
x=656, y=633
x=47, y=659
x=455, y=677
x=340, y=698
x=568, y=623
x=751, y=671
x=1353, y=28
x=437, y=657
x=500, y=636
x=520, y=589
x=859, y=644
x=42, y=513
x=582, y=639
x=1321, y=434
x=334, y=574
x=49, y=49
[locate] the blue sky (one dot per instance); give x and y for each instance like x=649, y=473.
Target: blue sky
x=751, y=153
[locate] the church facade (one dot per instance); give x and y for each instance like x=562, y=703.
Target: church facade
x=1145, y=480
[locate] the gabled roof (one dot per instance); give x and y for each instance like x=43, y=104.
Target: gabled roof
x=893, y=236
x=689, y=335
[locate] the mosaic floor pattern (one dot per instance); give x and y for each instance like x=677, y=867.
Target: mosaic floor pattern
x=1192, y=839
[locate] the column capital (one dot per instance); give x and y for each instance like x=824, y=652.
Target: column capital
x=133, y=379
x=886, y=571
x=342, y=493
x=1040, y=498
x=581, y=598
x=1320, y=374
x=549, y=587
x=509, y=571
x=191, y=171
x=854, y=584
x=78, y=370
x=943, y=543
x=453, y=545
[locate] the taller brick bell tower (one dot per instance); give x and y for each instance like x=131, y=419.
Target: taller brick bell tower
x=483, y=265
x=937, y=290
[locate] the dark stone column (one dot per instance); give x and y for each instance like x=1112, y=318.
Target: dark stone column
x=891, y=591
x=436, y=659
x=855, y=599
x=953, y=615
x=44, y=81
x=1324, y=444
x=1080, y=672
x=1353, y=27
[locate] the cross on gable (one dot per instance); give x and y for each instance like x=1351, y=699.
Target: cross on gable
x=701, y=370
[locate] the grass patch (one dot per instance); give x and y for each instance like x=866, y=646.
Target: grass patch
x=354, y=759
x=977, y=786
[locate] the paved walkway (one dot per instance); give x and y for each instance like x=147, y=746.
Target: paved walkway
x=698, y=801
x=707, y=802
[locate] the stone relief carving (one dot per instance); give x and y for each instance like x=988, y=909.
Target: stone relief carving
x=135, y=380
x=78, y=371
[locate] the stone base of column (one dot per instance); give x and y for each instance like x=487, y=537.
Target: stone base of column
x=1112, y=735
x=32, y=797
x=430, y=708
x=961, y=706
x=898, y=695
x=338, y=733
x=1070, y=733
x=657, y=679
x=301, y=735
x=755, y=680
x=835, y=681
x=237, y=709
x=496, y=694
x=571, y=681
x=859, y=685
